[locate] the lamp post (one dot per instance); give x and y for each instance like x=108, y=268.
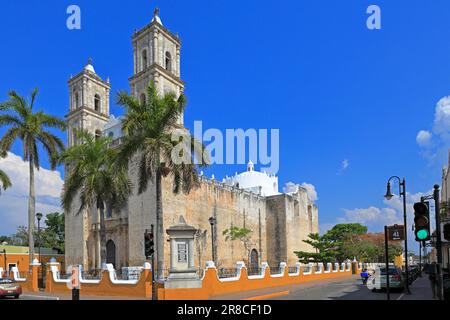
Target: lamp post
x=388, y=196
x=212, y=222
x=39, y=217
x=4, y=261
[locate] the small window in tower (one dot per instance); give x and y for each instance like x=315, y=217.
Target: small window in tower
x=168, y=61
x=97, y=103
x=98, y=134
x=74, y=137
x=111, y=134
x=143, y=99
x=76, y=100
x=144, y=60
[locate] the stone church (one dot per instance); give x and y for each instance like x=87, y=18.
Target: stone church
x=278, y=221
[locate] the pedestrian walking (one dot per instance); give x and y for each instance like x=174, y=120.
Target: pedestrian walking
x=432, y=275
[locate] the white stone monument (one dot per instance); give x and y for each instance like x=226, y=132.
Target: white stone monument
x=182, y=272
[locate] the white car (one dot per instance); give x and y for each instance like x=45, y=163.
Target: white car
x=377, y=280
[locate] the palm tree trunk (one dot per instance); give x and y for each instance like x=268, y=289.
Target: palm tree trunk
x=159, y=227
x=31, y=213
x=102, y=236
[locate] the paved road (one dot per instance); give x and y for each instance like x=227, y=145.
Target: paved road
x=353, y=289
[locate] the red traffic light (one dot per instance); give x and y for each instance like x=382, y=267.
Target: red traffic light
x=420, y=208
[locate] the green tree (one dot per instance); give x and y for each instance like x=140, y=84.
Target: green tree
x=243, y=235
x=53, y=235
x=6, y=239
x=325, y=250
x=30, y=128
x=96, y=178
x=341, y=232
x=20, y=238
x=149, y=128
x=4, y=180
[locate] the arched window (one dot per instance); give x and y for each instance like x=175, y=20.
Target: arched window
x=111, y=252
x=97, y=103
x=143, y=99
x=111, y=134
x=254, y=261
x=98, y=134
x=76, y=100
x=144, y=60
x=168, y=61
x=74, y=137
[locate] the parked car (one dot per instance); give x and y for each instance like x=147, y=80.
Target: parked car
x=10, y=288
x=377, y=280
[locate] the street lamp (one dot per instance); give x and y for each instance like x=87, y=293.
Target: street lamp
x=39, y=217
x=212, y=222
x=388, y=196
x=4, y=261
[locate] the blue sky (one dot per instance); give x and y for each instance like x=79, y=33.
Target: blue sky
x=336, y=90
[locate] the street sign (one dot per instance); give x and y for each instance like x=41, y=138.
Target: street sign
x=396, y=232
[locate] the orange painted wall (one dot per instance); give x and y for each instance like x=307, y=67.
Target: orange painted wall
x=142, y=289
x=22, y=260
x=212, y=286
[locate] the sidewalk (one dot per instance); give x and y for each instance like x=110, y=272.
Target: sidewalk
x=420, y=290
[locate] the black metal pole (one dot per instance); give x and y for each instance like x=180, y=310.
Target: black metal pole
x=440, y=292
x=39, y=236
x=386, y=249
x=154, y=288
x=4, y=260
x=406, y=238
x=420, y=258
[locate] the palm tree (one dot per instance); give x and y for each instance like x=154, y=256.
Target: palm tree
x=148, y=128
x=4, y=180
x=31, y=129
x=94, y=177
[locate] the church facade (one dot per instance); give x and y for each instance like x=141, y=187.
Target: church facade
x=278, y=221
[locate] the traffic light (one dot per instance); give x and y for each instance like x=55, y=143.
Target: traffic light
x=447, y=231
x=422, y=221
x=149, y=244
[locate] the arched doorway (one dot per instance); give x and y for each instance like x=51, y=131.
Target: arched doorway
x=111, y=252
x=254, y=261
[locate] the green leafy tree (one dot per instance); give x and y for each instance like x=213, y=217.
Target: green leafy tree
x=6, y=239
x=53, y=235
x=241, y=234
x=149, y=127
x=30, y=128
x=96, y=178
x=325, y=250
x=20, y=238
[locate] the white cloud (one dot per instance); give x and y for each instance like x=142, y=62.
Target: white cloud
x=435, y=144
x=311, y=190
x=344, y=165
x=442, y=116
x=14, y=201
x=423, y=138
x=291, y=187
x=372, y=217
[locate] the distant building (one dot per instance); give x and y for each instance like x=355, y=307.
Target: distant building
x=445, y=204
x=18, y=256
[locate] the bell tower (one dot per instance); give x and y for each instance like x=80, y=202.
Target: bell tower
x=89, y=103
x=88, y=111
x=156, y=54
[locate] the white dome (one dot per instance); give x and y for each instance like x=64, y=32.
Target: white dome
x=255, y=181
x=89, y=66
